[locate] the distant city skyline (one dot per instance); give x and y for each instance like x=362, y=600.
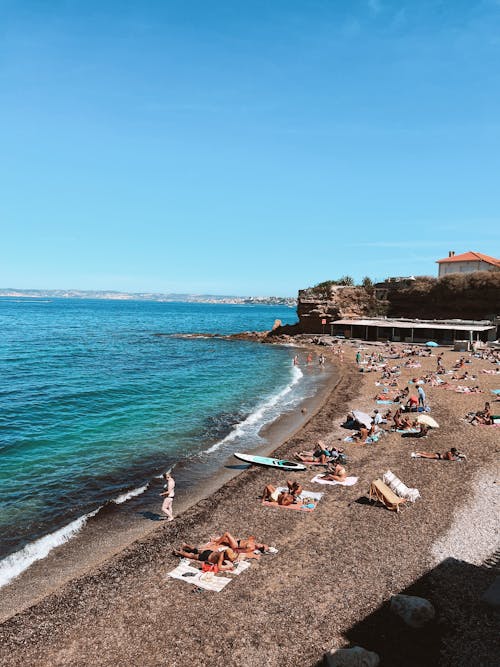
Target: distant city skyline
x=223, y=148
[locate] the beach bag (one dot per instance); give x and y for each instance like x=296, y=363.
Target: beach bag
x=209, y=567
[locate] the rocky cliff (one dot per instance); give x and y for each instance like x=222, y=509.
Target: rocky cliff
x=473, y=296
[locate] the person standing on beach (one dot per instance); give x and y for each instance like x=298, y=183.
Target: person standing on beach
x=358, y=357
x=169, y=494
x=421, y=396
x=296, y=360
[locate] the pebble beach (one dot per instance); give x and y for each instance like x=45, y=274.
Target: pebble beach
x=330, y=583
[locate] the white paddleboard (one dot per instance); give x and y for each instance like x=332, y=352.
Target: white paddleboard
x=272, y=463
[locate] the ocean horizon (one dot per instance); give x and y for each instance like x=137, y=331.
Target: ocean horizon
x=99, y=397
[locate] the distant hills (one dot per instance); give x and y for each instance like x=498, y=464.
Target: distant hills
x=146, y=296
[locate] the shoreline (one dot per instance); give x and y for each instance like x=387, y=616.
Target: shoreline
x=114, y=528
x=328, y=585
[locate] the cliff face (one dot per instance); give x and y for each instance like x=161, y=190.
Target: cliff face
x=474, y=296
x=337, y=303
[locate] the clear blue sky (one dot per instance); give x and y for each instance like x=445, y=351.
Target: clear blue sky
x=234, y=147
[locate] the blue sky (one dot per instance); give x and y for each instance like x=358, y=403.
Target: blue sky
x=234, y=147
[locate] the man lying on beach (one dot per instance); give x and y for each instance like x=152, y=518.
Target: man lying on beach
x=452, y=455
x=320, y=455
x=216, y=558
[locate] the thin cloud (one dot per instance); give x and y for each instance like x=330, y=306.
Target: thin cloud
x=375, y=6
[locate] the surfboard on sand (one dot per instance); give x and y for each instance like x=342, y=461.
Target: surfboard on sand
x=272, y=463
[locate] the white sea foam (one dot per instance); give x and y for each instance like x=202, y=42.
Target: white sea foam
x=247, y=426
x=123, y=497
x=12, y=566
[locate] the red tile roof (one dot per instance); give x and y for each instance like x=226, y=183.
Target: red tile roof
x=471, y=257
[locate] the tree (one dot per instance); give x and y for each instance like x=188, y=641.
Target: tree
x=346, y=280
x=367, y=283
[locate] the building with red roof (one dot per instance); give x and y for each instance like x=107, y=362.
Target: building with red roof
x=467, y=262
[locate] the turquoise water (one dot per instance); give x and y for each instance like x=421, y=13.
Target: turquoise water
x=97, y=397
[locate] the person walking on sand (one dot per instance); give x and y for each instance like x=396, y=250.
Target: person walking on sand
x=169, y=494
x=358, y=357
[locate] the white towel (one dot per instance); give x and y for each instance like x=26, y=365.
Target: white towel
x=305, y=494
x=207, y=580
x=239, y=567
x=349, y=481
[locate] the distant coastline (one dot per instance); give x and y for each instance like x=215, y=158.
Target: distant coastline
x=146, y=296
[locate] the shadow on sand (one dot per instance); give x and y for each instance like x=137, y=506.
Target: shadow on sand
x=464, y=633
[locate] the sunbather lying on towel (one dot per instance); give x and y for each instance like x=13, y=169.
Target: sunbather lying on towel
x=281, y=497
x=452, y=455
x=242, y=546
x=320, y=455
x=217, y=558
x=336, y=474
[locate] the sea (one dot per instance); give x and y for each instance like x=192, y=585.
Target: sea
x=99, y=397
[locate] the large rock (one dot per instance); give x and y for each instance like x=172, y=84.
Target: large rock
x=414, y=611
x=351, y=657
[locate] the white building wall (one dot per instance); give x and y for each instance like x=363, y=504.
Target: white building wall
x=464, y=267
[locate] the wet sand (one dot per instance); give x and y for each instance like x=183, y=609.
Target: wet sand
x=330, y=582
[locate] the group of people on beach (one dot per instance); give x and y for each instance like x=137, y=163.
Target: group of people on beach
x=222, y=552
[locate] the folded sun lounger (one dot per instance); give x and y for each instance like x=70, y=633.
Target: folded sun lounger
x=399, y=488
x=380, y=492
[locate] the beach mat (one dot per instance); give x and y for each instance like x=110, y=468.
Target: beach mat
x=314, y=495
x=349, y=481
x=206, y=580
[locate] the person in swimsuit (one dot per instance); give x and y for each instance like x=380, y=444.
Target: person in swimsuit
x=208, y=556
x=169, y=494
x=240, y=546
x=452, y=455
x=274, y=495
x=320, y=455
x=337, y=474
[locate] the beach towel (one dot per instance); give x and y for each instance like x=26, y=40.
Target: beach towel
x=240, y=567
x=206, y=580
x=399, y=488
x=368, y=441
x=496, y=391
x=349, y=481
x=314, y=497
x=407, y=430
x=384, y=402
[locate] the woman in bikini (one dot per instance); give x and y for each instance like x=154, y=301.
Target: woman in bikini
x=452, y=455
x=242, y=546
x=337, y=474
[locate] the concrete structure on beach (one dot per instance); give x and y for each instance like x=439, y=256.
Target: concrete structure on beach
x=414, y=331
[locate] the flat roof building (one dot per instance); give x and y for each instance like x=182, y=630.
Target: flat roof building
x=445, y=332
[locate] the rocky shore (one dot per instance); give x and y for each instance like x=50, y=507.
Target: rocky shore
x=335, y=571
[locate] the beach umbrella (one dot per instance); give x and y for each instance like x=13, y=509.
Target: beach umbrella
x=431, y=343
x=362, y=418
x=427, y=419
